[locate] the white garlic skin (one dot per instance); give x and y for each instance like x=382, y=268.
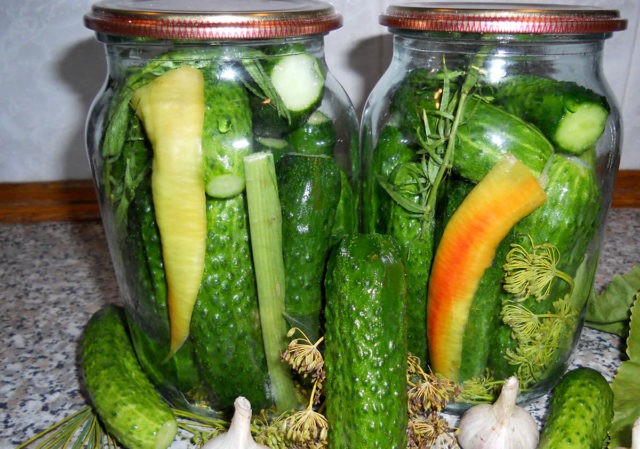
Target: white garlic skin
x=635, y=435
x=239, y=434
x=502, y=425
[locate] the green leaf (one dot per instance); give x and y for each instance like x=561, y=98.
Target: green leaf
x=609, y=311
x=626, y=385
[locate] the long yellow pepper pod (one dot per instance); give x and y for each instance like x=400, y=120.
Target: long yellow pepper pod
x=171, y=108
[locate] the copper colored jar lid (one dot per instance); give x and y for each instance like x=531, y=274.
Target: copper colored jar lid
x=501, y=18
x=212, y=19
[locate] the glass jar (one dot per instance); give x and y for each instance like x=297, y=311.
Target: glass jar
x=489, y=149
x=224, y=154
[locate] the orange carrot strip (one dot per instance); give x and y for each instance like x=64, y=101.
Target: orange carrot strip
x=508, y=193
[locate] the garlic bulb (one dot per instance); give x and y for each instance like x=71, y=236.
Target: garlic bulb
x=635, y=435
x=501, y=425
x=239, y=434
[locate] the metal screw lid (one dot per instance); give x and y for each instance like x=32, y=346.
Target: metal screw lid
x=212, y=19
x=501, y=18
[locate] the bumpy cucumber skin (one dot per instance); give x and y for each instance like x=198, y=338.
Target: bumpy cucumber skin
x=488, y=133
x=545, y=102
x=580, y=412
x=346, y=218
x=483, y=319
x=314, y=137
x=125, y=400
x=225, y=325
x=309, y=190
x=485, y=135
x=415, y=237
x=366, y=348
x=569, y=219
x=570, y=216
x=148, y=318
x=411, y=98
x=391, y=149
x=227, y=131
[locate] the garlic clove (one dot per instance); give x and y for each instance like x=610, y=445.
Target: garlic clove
x=501, y=425
x=635, y=436
x=239, y=434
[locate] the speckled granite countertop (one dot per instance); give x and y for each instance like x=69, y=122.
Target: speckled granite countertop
x=55, y=275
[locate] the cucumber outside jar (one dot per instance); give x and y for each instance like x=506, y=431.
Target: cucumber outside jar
x=490, y=147
x=224, y=154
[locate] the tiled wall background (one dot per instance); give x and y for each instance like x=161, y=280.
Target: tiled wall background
x=52, y=68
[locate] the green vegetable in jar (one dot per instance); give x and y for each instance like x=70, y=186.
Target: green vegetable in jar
x=366, y=346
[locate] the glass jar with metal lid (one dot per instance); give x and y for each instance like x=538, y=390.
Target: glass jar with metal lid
x=490, y=147
x=225, y=155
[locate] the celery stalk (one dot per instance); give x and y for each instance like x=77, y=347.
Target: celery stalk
x=265, y=226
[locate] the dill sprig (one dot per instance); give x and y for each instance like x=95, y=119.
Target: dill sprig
x=307, y=427
x=304, y=356
x=430, y=431
x=198, y=428
x=538, y=337
x=480, y=389
x=428, y=395
x=266, y=429
x=530, y=272
x=435, y=135
x=427, y=392
x=81, y=429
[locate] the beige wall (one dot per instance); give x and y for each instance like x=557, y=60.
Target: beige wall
x=52, y=67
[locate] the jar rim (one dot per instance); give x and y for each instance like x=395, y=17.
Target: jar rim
x=496, y=18
x=212, y=19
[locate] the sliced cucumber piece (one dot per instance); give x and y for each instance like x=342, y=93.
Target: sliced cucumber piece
x=299, y=80
x=571, y=116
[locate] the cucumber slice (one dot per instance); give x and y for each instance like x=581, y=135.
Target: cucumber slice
x=296, y=85
x=571, y=116
x=581, y=127
x=274, y=145
x=299, y=81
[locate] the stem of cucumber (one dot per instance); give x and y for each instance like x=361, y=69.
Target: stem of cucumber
x=265, y=224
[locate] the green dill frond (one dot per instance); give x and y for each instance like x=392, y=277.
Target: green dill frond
x=80, y=429
x=538, y=338
x=524, y=323
x=198, y=428
x=479, y=390
x=530, y=272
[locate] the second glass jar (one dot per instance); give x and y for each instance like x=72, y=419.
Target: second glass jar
x=490, y=148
